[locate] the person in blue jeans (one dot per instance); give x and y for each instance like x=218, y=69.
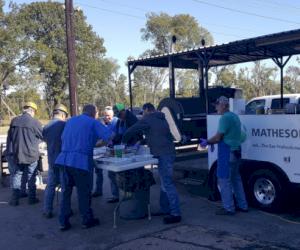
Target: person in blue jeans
x=23, y=138
x=52, y=136
x=160, y=141
x=79, y=138
x=229, y=138
x=110, y=121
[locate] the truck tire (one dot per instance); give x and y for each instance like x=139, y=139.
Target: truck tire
x=266, y=190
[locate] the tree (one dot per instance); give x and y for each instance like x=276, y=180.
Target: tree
x=149, y=84
x=261, y=79
x=13, y=52
x=161, y=27
x=224, y=76
x=42, y=25
x=292, y=79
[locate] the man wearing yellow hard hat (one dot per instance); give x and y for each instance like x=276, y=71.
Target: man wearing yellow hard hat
x=52, y=136
x=23, y=138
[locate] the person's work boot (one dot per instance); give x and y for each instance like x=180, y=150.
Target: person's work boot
x=33, y=201
x=23, y=195
x=48, y=215
x=170, y=219
x=223, y=211
x=65, y=227
x=159, y=213
x=14, y=200
x=96, y=194
x=91, y=223
x=243, y=210
x=113, y=200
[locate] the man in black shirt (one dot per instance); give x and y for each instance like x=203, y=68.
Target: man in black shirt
x=23, y=140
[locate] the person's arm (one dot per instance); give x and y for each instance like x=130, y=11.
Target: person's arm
x=102, y=132
x=215, y=139
x=222, y=128
x=139, y=127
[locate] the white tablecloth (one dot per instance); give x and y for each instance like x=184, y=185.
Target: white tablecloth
x=123, y=167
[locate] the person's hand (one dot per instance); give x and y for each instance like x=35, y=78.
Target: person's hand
x=203, y=142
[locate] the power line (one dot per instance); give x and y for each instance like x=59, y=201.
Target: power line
x=229, y=27
x=143, y=18
x=125, y=5
x=275, y=5
x=246, y=12
x=111, y=11
x=290, y=6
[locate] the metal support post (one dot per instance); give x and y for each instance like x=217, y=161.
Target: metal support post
x=281, y=63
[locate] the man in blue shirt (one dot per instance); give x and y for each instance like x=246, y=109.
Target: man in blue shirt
x=52, y=136
x=110, y=121
x=76, y=160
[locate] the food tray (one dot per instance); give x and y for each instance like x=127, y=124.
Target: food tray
x=99, y=151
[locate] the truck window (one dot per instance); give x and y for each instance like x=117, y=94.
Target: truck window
x=251, y=107
x=275, y=104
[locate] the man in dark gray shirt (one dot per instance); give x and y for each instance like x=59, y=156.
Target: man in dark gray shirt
x=160, y=141
x=23, y=140
x=52, y=136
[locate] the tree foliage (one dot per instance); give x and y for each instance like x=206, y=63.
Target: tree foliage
x=151, y=84
x=33, y=42
x=161, y=27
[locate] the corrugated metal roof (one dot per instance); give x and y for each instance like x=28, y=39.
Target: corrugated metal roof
x=262, y=47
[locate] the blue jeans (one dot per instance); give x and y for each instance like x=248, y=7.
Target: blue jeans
x=232, y=185
x=169, y=201
x=52, y=183
x=82, y=179
x=11, y=167
x=113, y=184
x=18, y=171
x=99, y=181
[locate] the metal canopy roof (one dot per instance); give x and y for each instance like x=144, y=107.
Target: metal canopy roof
x=247, y=50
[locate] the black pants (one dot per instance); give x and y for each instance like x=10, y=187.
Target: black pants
x=83, y=181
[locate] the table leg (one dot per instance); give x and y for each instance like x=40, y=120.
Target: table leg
x=115, y=213
x=149, y=211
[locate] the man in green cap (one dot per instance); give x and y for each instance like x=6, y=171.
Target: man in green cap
x=126, y=120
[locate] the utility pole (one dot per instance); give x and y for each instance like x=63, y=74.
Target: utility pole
x=69, y=12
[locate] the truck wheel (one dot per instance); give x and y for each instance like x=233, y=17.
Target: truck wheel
x=265, y=190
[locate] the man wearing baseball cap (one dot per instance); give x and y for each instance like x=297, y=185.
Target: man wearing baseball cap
x=229, y=138
x=52, y=136
x=23, y=140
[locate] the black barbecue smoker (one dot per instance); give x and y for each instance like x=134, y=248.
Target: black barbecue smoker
x=187, y=116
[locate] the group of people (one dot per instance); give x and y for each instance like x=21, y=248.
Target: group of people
x=70, y=143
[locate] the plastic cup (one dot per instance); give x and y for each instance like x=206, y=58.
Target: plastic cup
x=118, y=150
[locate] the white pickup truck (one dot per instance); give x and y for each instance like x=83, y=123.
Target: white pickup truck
x=270, y=165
